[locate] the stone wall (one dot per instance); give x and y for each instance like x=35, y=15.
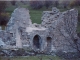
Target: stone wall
x=20, y=19
x=57, y=31
x=62, y=27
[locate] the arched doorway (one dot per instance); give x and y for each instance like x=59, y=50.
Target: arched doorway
x=37, y=42
x=49, y=40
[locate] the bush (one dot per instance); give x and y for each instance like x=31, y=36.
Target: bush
x=36, y=4
x=4, y=18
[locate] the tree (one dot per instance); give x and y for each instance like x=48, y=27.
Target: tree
x=2, y=6
x=77, y=2
x=3, y=16
x=13, y=2
x=56, y=3
x=65, y=4
x=74, y=3
x=48, y=4
x=36, y=4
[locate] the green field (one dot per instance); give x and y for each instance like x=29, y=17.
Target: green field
x=31, y=58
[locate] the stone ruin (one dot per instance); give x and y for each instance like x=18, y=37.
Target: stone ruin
x=56, y=32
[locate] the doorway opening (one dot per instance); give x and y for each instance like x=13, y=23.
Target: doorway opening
x=49, y=40
x=37, y=41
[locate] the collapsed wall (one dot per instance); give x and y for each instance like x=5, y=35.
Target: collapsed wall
x=62, y=27
x=20, y=19
x=57, y=32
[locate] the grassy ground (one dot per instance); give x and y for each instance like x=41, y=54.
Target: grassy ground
x=36, y=16
x=31, y=58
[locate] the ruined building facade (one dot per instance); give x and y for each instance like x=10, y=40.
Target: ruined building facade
x=56, y=32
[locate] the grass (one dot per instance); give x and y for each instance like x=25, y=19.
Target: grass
x=36, y=16
x=32, y=58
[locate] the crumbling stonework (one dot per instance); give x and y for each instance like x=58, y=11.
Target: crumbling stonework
x=62, y=27
x=56, y=32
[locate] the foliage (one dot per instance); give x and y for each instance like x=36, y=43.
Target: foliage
x=13, y=2
x=36, y=4
x=4, y=18
x=48, y=3
x=77, y=2
x=65, y=4
x=2, y=6
x=3, y=15
x=56, y=3
x=72, y=4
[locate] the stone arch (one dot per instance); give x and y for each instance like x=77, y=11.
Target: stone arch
x=37, y=42
x=49, y=40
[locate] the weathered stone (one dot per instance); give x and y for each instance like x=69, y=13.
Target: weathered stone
x=1, y=42
x=55, y=10
x=56, y=32
x=0, y=28
x=62, y=26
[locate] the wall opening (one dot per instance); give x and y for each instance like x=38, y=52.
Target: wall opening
x=37, y=41
x=11, y=34
x=49, y=40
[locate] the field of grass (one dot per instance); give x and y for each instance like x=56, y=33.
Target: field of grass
x=36, y=16
x=31, y=58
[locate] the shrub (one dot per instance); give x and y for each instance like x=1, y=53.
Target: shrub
x=4, y=18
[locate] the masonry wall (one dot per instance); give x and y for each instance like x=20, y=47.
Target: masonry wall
x=62, y=27
x=59, y=27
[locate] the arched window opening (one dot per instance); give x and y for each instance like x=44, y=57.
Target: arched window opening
x=37, y=41
x=49, y=40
